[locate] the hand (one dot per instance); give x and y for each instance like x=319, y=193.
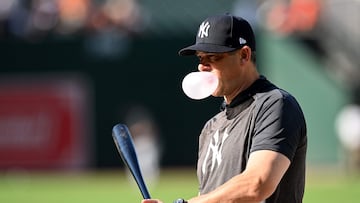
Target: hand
x=151, y=201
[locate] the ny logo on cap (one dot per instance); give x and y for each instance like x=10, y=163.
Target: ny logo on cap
x=204, y=29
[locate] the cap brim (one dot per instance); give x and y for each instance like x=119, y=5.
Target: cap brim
x=210, y=48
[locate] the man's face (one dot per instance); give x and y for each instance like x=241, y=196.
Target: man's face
x=226, y=66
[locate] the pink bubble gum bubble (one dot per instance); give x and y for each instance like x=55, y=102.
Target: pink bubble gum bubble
x=199, y=85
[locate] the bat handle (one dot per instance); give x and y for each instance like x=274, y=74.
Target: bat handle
x=143, y=189
x=180, y=201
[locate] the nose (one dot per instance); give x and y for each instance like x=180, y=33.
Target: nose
x=204, y=67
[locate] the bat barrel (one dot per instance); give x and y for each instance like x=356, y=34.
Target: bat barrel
x=126, y=149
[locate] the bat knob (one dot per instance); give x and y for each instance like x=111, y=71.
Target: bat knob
x=180, y=201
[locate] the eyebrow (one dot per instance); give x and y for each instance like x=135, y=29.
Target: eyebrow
x=207, y=54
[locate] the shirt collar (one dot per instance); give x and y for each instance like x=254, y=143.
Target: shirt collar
x=259, y=85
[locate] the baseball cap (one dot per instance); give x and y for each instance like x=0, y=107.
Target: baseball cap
x=221, y=33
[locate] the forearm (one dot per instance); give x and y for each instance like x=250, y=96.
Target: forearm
x=259, y=180
x=240, y=189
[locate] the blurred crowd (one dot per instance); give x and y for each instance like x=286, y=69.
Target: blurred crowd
x=329, y=28
x=38, y=19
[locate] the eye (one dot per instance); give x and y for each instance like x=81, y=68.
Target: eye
x=203, y=59
x=210, y=58
x=200, y=59
x=216, y=57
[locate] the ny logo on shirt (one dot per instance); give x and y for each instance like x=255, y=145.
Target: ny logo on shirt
x=214, y=150
x=204, y=30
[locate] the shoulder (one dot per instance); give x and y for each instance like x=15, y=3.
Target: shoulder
x=274, y=95
x=277, y=103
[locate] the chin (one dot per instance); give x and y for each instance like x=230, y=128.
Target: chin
x=216, y=94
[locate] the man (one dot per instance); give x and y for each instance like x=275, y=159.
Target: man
x=254, y=150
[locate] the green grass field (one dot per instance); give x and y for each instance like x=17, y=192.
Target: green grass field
x=115, y=187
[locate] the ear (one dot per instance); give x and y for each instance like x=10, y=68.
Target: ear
x=245, y=54
x=243, y=59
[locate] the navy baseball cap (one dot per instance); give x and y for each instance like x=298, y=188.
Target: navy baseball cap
x=221, y=33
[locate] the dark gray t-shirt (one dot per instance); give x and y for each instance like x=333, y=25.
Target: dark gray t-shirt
x=263, y=117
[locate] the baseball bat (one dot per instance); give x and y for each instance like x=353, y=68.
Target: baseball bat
x=126, y=149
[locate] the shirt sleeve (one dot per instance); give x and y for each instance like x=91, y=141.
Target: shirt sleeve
x=279, y=125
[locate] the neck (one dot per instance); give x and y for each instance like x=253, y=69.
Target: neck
x=250, y=79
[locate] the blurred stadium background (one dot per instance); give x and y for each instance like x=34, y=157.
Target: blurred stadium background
x=71, y=69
